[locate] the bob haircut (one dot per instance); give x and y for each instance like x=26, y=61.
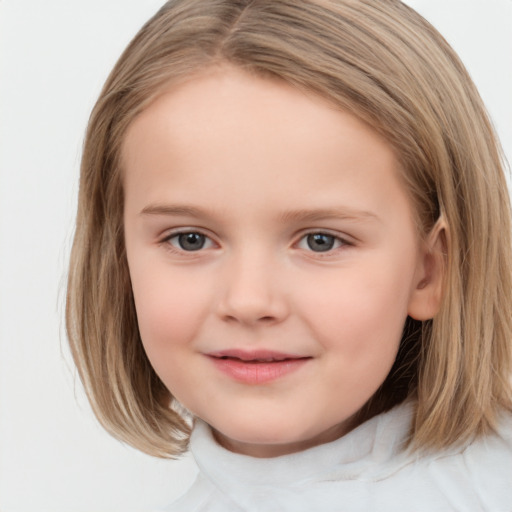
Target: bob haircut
x=376, y=59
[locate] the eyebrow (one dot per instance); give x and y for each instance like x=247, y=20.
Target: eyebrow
x=341, y=213
x=175, y=210
x=300, y=215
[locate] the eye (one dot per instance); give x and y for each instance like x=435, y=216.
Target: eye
x=320, y=242
x=189, y=241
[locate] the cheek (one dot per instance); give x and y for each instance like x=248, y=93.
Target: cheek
x=359, y=324
x=169, y=309
x=359, y=313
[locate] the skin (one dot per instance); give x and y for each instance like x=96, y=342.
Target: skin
x=256, y=166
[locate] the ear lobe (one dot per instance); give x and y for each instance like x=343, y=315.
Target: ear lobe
x=426, y=297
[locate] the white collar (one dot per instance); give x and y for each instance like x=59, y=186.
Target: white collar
x=369, y=452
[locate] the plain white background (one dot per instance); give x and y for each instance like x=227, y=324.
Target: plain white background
x=54, y=58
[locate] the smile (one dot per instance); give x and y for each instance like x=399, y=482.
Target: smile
x=256, y=367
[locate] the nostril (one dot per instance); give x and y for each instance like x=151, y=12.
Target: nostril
x=268, y=319
x=251, y=308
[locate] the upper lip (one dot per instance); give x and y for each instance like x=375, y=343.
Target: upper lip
x=255, y=355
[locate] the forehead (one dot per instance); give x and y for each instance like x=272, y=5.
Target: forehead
x=225, y=100
x=236, y=139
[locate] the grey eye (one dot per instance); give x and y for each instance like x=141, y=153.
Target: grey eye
x=320, y=242
x=189, y=241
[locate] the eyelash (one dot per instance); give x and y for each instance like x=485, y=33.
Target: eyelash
x=337, y=241
x=315, y=237
x=168, y=241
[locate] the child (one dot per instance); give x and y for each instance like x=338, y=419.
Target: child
x=293, y=249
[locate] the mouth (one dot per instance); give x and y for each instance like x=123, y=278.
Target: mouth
x=256, y=367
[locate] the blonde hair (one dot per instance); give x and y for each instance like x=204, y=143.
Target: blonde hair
x=381, y=61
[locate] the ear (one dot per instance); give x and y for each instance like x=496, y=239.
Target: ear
x=427, y=294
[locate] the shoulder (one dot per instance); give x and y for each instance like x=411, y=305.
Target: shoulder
x=489, y=455
x=201, y=497
x=475, y=477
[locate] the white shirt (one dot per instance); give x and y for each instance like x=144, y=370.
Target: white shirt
x=366, y=470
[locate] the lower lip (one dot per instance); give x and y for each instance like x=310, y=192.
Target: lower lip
x=257, y=373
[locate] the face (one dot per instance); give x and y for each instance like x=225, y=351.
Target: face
x=273, y=256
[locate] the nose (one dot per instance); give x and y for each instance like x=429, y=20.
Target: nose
x=252, y=293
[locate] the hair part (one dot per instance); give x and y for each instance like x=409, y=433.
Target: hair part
x=381, y=61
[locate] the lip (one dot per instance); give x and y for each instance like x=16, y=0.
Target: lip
x=256, y=366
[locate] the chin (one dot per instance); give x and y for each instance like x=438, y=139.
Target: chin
x=270, y=438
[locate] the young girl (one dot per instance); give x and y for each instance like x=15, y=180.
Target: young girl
x=293, y=250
